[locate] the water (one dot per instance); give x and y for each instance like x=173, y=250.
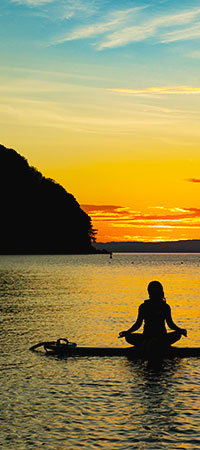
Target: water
x=95, y=403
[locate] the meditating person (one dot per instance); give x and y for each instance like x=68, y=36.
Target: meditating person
x=154, y=312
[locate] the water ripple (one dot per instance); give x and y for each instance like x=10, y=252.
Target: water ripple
x=94, y=403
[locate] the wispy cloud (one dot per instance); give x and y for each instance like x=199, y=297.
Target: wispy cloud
x=52, y=74
x=125, y=216
x=73, y=8
x=122, y=223
x=119, y=27
x=156, y=27
x=32, y=2
x=160, y=90
x=194, y=180
x=61, y=9
x=114, y=20
x=183, y=35
x=124, y=26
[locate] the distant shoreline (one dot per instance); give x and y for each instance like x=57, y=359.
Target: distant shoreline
x=184, y=246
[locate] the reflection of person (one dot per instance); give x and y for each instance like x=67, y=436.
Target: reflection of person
x=154, y=312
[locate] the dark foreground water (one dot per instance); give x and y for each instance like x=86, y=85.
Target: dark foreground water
x=95, y=403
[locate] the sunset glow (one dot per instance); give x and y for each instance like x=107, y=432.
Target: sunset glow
x=122, y=224
x=103, y=97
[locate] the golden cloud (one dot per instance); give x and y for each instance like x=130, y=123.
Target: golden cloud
x=118, y=216
x=160, y=90
x=194, y=180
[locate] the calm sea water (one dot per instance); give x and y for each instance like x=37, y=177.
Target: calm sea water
x=95, y=403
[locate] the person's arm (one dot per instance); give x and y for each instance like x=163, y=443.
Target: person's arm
x=171, y=323
x=135, y=326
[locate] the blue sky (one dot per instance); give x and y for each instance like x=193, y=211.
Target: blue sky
x=44, y=33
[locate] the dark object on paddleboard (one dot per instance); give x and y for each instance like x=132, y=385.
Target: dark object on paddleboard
x=62, y=347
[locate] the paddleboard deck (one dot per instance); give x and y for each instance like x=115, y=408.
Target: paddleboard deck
x=70, y=349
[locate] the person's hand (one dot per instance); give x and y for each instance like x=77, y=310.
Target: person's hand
x=184, y=332
x=122, y=334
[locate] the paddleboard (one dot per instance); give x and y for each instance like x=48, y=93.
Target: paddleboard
x=70, y=349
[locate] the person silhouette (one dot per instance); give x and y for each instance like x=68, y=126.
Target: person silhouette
x=154, y=312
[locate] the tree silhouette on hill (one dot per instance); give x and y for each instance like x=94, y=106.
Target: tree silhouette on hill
x=37, y=214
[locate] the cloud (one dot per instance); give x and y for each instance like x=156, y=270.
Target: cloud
x=193, y=180
x=86, y=32
x=182, y=35
x=113, y=21
x=72, y=8
x=38, y=111
x=100, y=208
x=160, y=90
x=104, y=212
x=111, y=29
x=61, y=9
x=41, y=85
x=155, y=27
x=119, y=216
x=55, y=74
x=118, y=223
x=32, y=2
x=122, y=27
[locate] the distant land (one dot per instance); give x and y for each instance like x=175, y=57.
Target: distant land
x=38, y=216
x=189, y=246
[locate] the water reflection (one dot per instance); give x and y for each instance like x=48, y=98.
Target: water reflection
x=159, y=408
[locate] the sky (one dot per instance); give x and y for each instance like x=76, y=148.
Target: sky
x=104, y=97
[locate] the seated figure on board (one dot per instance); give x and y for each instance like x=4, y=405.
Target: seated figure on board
x=154, y=312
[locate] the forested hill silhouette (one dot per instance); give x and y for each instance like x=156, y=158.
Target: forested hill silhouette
x=37, y=214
